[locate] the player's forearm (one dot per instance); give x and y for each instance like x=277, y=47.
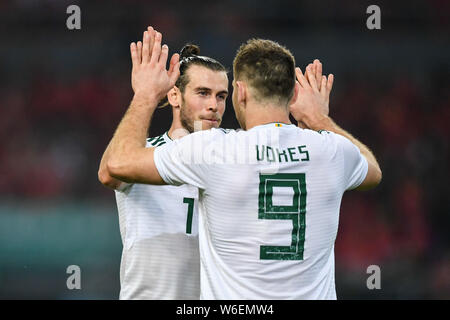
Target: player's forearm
x=103, y=174
x=131, y=133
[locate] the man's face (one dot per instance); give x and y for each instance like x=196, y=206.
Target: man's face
x=203, y=101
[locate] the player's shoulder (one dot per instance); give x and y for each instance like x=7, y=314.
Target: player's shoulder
x=316, y=133
x=224, y=131
x=323, y=132
x=211, y=134
x=221, y=132
x=322, y=135
x=158, y=141
x=336, y=138
x=201, y=139
x=324, y=144
x=333, y=142
x=309, y=135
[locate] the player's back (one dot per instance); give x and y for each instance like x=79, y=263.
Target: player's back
x=158, y=225
x=268, y=207
x=273, y=221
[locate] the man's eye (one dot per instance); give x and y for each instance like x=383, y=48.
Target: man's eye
x=222, y=97
x=202, y=93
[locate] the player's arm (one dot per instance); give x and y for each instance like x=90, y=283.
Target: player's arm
x=103, y=174
x=309, y=110
x=128, y=158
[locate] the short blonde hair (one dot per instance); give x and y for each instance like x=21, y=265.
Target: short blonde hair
x=268, y=67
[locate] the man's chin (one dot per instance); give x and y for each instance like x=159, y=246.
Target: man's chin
x=209, y=124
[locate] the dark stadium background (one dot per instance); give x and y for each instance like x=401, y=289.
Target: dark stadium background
x=63, y=93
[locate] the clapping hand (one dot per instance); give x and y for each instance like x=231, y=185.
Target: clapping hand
x=149, y=77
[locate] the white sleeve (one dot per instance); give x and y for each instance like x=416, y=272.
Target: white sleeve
x=181, y=162
x=355, y=164
x=124, y=186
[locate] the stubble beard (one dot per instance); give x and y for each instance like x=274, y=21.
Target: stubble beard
x=186, y=117
x=186, y=123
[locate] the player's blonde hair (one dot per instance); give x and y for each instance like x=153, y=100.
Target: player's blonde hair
x=268, y=67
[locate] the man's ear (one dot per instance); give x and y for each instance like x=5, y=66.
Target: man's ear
x=296, y=91
x=242, y=95
x=174, y=97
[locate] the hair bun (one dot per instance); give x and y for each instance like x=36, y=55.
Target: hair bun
x=189, y=50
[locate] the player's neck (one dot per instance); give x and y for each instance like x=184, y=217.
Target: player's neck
x=259, y=115
x=177, y=130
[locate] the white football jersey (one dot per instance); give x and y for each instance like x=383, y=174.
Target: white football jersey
x=159, y=230
x=268, y=207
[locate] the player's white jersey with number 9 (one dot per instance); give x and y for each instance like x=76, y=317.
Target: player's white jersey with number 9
x=268, y=207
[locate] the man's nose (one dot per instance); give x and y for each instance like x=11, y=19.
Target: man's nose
x=212, y=105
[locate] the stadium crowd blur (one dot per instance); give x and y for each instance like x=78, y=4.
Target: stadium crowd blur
x=62, y=98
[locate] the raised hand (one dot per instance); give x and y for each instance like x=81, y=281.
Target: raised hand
x=317, y=72
x=149, y=76
x=312, y=104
